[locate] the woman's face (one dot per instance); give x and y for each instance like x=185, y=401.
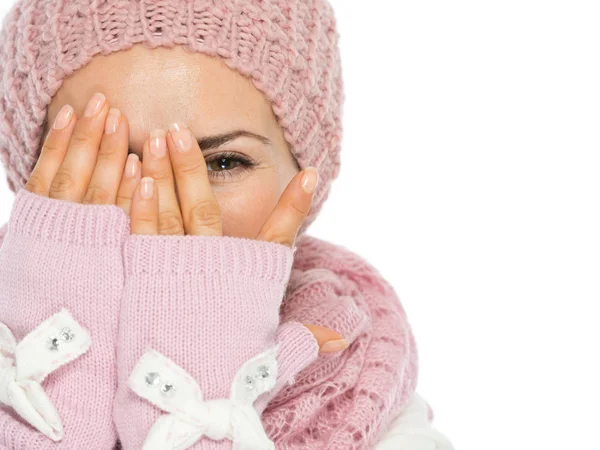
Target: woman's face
x=155, y=87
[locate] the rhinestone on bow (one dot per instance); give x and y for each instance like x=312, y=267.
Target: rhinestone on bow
x=167, y=390
x=66, y=334
x=152, y=379
x=250, y=383
x=53, y=343
x=263, y=372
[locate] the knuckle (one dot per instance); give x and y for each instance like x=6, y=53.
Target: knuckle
x=36, y=185
x=160, y=176
x=108, y=156
x=205, y=214
x=195, y=167
x=123, y=200
x=50, y=147
x=143, y=221
x=297, y=211
x=98, y=195
x=63, y=182
x=170, y=224
x=279, y=237
x=81, y=139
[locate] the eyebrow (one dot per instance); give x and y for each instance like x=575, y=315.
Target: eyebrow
x=205, y=143
x=217, y=140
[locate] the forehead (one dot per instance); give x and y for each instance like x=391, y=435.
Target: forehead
x=154, y=87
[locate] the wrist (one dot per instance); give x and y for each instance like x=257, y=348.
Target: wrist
x=202, y=301
x=35, y=216
x=207, y=303
x=223, y=255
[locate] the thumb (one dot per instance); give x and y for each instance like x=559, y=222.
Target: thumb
x=329, y=340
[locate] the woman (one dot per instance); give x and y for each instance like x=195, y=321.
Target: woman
x=171, y=297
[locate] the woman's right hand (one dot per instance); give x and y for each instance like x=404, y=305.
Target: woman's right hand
x=85, y=160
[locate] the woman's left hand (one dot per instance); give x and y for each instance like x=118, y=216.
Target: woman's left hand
x=175, y=197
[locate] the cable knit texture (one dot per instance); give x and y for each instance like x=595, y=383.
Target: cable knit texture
x=288, y=48
x=58, y=255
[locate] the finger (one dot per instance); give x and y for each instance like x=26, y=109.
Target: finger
x=156, y=164
x=110, y=161
x=199, y=207
x=144, y=208
x=73, y=176
x=53, y=152
x=129, y=181
x=284, y=222
x=328, y=340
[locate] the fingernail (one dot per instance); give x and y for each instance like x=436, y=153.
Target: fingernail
x=112, y=121
x=310, y=179
x=94, y=105
x=334, y=346
x=147, y=187
x=182, y=137
x=158, y=144
x=63, y=118
x=131, y=165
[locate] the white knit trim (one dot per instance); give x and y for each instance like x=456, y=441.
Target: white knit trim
x=23, y=367
x=189, y=417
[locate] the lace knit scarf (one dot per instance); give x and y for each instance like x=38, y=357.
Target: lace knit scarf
x=344, y=400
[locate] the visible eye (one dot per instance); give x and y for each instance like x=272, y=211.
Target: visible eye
x=228, y=165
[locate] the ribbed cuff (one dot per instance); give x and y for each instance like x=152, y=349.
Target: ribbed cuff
x=56, y=220
x=201, y=254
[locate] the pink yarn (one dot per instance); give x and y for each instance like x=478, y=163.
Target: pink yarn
x=340, y=401
x=344, y=400
x=289, y=49
x=209, y=303
x=55, y=255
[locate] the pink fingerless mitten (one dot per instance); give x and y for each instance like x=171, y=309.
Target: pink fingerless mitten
x=61, y=277
x=200, y=341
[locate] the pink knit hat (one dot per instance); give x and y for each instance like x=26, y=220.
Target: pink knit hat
x=289, y=48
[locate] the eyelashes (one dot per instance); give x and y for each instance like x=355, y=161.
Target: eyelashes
x=226, y=165
x=220, y=165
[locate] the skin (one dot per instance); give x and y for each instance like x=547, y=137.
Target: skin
x=140, y=93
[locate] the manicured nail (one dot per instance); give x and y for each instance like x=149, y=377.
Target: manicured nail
x=182, y=137
x=310, y=179
x=63, y=118
x=158, y=144
x=131, y=165
x=147, y=187
x=334, y=346
x=112, y=121
x=94, y=105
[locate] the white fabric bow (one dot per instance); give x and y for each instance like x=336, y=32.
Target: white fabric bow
x=169, y=387
x=23, y=367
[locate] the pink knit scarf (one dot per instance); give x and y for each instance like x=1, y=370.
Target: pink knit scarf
x=344, y=400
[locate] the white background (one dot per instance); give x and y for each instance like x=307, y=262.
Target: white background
x=470, y=178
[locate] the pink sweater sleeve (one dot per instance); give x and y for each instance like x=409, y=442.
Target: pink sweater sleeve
x=201, y=349
x=61, y=276
x=3, y=229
